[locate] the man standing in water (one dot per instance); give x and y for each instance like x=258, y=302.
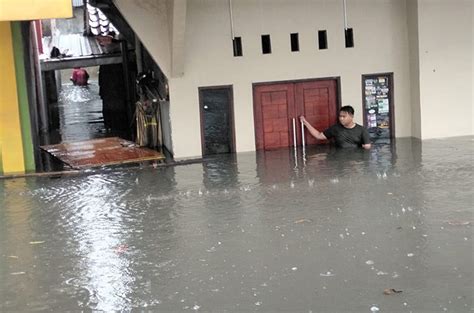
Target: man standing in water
x=346, y=133
x=79, y=77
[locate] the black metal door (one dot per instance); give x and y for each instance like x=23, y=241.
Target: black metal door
x=217, y=135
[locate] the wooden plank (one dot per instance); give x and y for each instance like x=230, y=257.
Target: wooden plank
x=100, y=152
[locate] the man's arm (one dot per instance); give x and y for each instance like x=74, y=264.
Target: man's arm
x=366, y=139
x=313, y=131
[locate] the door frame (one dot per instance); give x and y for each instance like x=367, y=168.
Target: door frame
x=230, y=94
x=391, y=104
x=337, y=79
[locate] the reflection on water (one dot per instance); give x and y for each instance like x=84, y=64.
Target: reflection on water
x=325, y=231
x=80, y=111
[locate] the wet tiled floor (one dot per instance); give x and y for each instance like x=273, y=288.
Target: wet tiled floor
x=321, y=231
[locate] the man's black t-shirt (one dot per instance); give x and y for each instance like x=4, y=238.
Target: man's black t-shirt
x=347, y=137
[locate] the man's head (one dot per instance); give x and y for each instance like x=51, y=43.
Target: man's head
x=346, y=115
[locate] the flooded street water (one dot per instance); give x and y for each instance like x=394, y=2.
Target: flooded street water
x=327, y=231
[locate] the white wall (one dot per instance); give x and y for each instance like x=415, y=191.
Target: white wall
x=446, y=67
x=149, y=20
x=381, y=45
x=414, y=47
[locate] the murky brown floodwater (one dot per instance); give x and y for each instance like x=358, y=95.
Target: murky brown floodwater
x=257, y=232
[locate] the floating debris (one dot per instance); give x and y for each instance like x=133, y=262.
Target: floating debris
x=294, y=268
x=390, y=291
x=36, y=242
x=121, y=249
x=196, y=307
x=410, y=255
x=327, y=274
x=13, y=257
x=374, y=309
x=18, y=273
x=459, y=223
x=303, y=220
x=369, y=262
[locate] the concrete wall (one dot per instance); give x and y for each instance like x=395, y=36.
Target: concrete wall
x=149, y=20
x=414, y=47
x=381, y=45
x=446, y=67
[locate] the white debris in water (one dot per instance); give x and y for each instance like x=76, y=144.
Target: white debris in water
x=292, y=185
x=258, y=303
x=294, y=268
x=335, y=180
x=369, y=262
x=410, y=255
x=245, y=188
x=405, y=304
x=327, y=274
x=465, y=238
x=200, y=192
x=395, y=275
x=341, y=235
x=196, y=307
x=380, y=273
x=403, y=210
x=374, y=309
x=311, y=182
x=363, y=233
x=414, y=227
x=212, y=249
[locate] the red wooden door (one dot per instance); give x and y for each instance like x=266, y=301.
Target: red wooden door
x=275, y=106
x=274, y=110
x=316, y=100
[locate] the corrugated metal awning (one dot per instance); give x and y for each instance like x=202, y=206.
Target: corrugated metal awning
x=77, y=3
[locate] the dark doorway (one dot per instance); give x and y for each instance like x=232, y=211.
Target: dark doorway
x=377, y=93
x=277, y=107
x=217, y=120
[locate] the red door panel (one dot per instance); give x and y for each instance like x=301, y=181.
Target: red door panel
x=316, y=100
x=275, y=106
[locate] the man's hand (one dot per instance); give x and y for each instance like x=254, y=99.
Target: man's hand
x=367, y=146
x=313, y=131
